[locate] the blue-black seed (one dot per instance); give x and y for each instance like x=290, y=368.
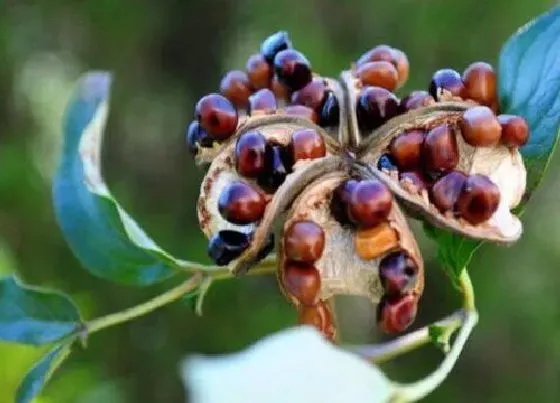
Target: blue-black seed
x=275, y=43
x=197, y=135
x=386, y=163
x=227, y=245
x=330, y=111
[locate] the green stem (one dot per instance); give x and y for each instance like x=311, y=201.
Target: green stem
x=171, y=295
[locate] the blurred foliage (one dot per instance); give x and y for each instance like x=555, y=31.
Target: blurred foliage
x=167, y=54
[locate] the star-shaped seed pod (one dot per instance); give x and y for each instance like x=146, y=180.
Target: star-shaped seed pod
x=325, y=170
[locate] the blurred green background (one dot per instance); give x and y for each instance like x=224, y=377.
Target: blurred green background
x=165, y=55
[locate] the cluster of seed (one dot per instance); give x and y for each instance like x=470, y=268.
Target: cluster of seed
x=366, y=205
x=263, y=165
x=278, y=79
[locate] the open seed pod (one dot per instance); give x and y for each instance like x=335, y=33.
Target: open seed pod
x=322, y=255
x=253, y=180
x=448, y=163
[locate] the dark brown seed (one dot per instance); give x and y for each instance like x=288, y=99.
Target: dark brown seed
x=480, y=83
x=446, y=80
x=379, y=74
x=301, y=111
x=278, y=165
x=515, y=130
x=236, y=87
x=275, y=43
x=312, y=95
x=250, y=153
x=330, y=111
x=302, y=281
x=394, y=315
x=415, y=100
x=319, y=316
x=304, y=241
x=227, y=245
x=440, y=152
x=375, y=105
x=446, y=190
x=239, y=203
x=413, y=181
x=281, y=92
x=258, y=71
x=480, y=127
x=406, y=149
x=293, y=69
x=386, y=163
x=397, y=272
x=370, y=203
x=478, y=200
x=262, y=100
x=217, y=116
x=307, y=144
x=341, y=199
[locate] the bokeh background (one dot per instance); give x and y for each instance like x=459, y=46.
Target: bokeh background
x=165, y=55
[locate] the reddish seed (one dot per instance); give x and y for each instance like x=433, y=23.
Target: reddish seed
x=258, y=71
x=341, y=199
x=413, y=181
x=307, y=144
x=293, y=69
x=478, y=200
x=281, y=92
x=302, y=112
x=370, y=203
x=250, y=154
x=239, y=203
x=446, y=80
x=378, y=53
x=480, y=127
x=236, y=87
x=446, y=190
x=374, y=106
x=312, y=95
x=480, y=83
x=397, y=272
x=406, y=149
x=217, y=116
x=515, y=130
x=302, y=281
x=304, y=241
x=262, y=100
x=440, y=152
x=394, y=315
x=379, y=74
x=415, y=100
x=319, y=316
x=401, y=63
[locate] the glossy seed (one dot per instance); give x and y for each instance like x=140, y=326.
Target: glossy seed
x=312, y=95
x=304, y=241
x=302, y=112
x=446, y=190
x=374, y=106
x=330, y=111
x=413, y=181
x=394, y=315
x=398, y=273
x=446, y=81
x=480, y=83
x=370, y=203
x=236, y=87
x=478, y=200
x=400, y=60
x=386, y=163
x=227, y=245
x=302, y=281
x=217, y=116
x=277, y=166
x=406, y=149
x=374, y=242
x=280, y=90
x=341, y=199
x=275, y=43
x=307, y=144
x=378, y=53
x=250, y=153
x=319, y=316
x=515, y=130
x=293, y=69
x=379, y=74
x=440, y=153
x=480, y=127
x=415, y=100
x=262, y=101
x=197, y=136
x=239, y=203
x=259, y=71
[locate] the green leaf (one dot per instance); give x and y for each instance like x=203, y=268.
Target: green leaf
x=31, y=315
x=529, y=86
x=106, y=240
x=39, y=375
x=297, y=365
x=453, y=250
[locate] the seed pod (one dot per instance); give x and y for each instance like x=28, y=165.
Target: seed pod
x=350, y=261
x=277, y=131
x=438, y=204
